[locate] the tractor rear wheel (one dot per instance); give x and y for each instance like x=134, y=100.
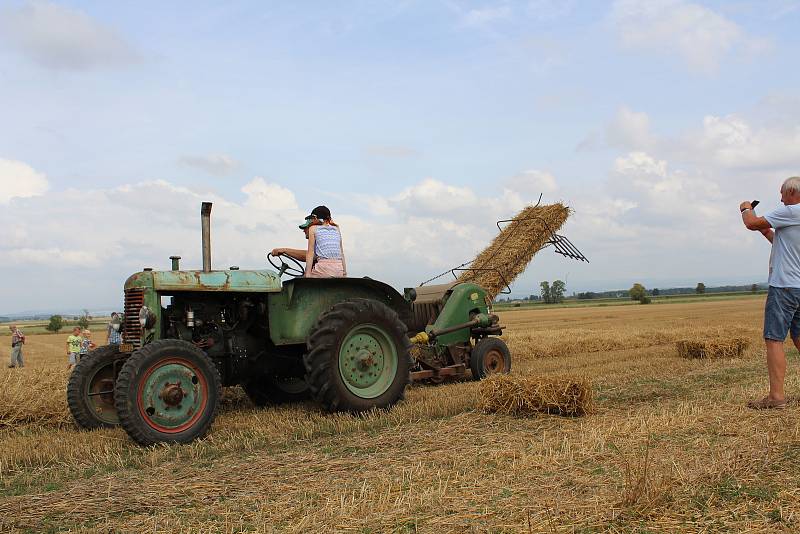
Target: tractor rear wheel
x=489, y=356
x=358, y=357
x=276, y=388
x=90, y=390
x=168, y=391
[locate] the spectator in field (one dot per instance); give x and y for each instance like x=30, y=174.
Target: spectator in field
x=113, y=331
x=782, y=311
x=74, y=347
x=17, y=341
x=86, y=343
x=324, y=255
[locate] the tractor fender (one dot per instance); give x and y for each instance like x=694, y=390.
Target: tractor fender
x=294, y=310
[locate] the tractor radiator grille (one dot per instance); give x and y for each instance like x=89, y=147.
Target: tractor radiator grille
x=132, y=331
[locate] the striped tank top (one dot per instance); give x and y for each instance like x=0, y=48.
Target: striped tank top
x=327, y=243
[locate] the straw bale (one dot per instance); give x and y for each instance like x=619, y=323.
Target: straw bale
x=513, y=248
x=712, y=348
x=562, y=395
x=34, y=397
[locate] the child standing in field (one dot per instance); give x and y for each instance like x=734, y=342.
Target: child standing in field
x=86, y=344
x=74, y=347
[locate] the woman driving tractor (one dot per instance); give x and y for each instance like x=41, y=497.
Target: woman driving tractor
x=324, y=255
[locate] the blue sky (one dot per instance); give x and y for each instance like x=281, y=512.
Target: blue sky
x=417, y=123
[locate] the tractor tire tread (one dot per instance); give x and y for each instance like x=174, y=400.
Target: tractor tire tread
x=324, y=339
x=125, y=409
x=76, y=386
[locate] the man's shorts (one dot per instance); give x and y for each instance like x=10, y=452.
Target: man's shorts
x=782, y=313
x=73, y=358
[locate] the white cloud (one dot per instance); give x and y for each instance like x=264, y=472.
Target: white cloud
x=262, y=195
x=547, y=10
x=700, y=35
x=658, y=196
x=532, y=182
x=59, y=38
x=628, y=129
x=19, y=180
x=484, y=16
x=434, y=197
x=732, y=142
x=215, y=164
x=46, y=256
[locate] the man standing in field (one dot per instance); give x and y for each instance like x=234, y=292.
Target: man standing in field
x=782, y=311
x=17, y=341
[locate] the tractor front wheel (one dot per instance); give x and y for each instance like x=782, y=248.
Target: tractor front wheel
x=489, y=356
x=168, y=391
x=358, y=357
x=90, y=390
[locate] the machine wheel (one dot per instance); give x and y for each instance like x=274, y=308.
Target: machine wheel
x=277, y=389
x=90, y=390
x=358, y=357
x=489, y=356
x=167, y=391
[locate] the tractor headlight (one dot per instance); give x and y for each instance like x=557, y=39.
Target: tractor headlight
x=146, y=317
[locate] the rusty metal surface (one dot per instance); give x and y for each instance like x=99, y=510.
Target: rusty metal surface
x=428, y=374
x=131, y=329
x=251, y=281
x=205, y=228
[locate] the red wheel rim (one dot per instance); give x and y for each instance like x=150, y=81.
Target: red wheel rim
x=158, y=372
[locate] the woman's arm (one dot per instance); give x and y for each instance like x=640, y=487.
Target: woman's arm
x=312, y=233
x=296, y=253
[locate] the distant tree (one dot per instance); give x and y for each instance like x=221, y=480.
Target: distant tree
x=700, y=289
x=547, y=295
x=557, y=291
x=83, y=321
x=754, y=288
x=587, y=295
x=645, y=300
x=56, y=324
x=637, y=292
x=656, y=292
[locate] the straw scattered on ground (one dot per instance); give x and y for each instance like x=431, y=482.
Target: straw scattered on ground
x=31, y=396
x=669, y=447
x=713, y=348
x=525, y=395
x=512, y=250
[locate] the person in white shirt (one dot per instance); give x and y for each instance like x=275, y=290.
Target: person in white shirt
x=782, y=311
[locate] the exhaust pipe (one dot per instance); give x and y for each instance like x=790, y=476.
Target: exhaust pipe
x=205, y=224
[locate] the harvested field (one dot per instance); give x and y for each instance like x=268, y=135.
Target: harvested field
x=668, y=447
x=514, y=247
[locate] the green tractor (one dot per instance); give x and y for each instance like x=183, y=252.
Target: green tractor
x=344, y=342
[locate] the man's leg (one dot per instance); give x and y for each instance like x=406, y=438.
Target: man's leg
x=11, y=363
x=19, y=356
x=776, y=367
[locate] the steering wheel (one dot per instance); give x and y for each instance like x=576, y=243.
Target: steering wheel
x=296, y=270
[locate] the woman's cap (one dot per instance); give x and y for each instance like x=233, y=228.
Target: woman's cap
x=320, y=212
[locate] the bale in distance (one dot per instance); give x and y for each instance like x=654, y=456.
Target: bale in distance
x=514, y=247
x=712, y=348
x=525, y=395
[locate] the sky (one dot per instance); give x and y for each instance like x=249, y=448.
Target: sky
x=418, y=123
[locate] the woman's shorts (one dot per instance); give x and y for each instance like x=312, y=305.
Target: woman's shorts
x=326, y=268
